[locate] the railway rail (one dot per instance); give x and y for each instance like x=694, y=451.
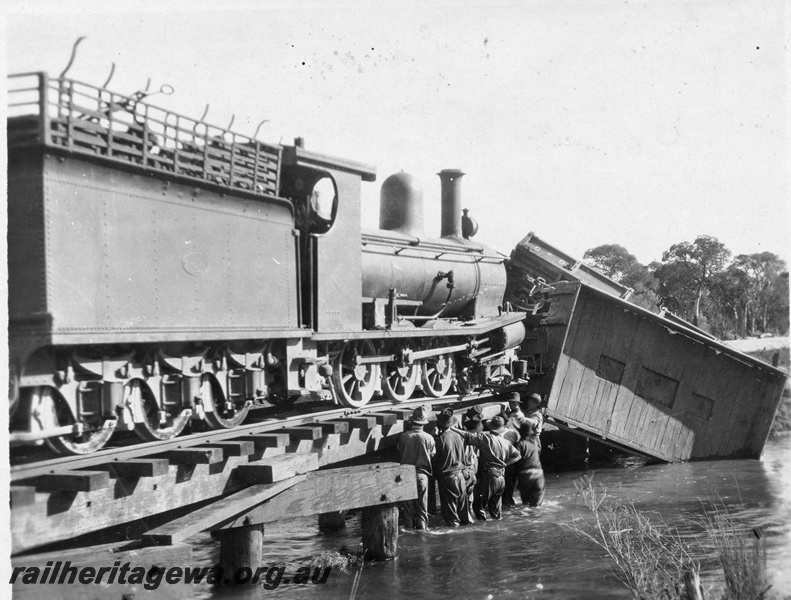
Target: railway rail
x=49, y=466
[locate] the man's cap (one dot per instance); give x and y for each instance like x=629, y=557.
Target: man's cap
x=534, y=398
x=473, y=411
x=473, y=421
x=497, y=424
x=445, y=418
x=473, y=424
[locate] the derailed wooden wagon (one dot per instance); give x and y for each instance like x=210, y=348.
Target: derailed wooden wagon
x=635, y=379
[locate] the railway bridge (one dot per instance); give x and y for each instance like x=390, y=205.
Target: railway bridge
x=142, y=502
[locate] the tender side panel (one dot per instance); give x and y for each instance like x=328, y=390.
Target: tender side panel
x=634, y=380
x=140, y=258
x=27, y=303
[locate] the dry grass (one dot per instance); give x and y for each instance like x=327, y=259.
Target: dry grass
x=649, y=559
x=741, y=554
x=342, y=560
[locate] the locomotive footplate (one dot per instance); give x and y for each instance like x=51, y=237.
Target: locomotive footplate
x=447, y=328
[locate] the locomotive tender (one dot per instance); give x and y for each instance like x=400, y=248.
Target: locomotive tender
x=163, y=270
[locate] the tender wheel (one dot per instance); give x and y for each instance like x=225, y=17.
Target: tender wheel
x=223, y=416
x=355, y=383
x=151, y=429
x=399, y=381
x=436, y=374
x=52, y=412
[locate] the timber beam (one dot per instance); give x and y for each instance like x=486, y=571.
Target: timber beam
x=319, y=492
x=203, y=518
x=333, y=490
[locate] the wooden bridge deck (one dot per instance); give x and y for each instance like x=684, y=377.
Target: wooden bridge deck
x=62, y=499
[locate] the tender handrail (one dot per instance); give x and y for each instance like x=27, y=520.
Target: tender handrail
x=89, y=120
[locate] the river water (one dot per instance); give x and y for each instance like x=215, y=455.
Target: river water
x=529, y=554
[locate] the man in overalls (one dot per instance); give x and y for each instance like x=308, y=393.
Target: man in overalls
x=534, y=419
x=474, y=424
x=448, y=466
x=417, y=448
x=495, y=454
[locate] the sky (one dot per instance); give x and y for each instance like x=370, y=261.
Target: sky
x=587, y=122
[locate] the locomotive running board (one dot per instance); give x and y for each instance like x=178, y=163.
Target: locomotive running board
x=441, y=328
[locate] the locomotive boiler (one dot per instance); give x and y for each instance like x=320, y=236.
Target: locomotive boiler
x=165, y=272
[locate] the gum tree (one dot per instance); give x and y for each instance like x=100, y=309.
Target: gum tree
x=688, y=270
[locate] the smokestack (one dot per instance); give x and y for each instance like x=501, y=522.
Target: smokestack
x=451, y=202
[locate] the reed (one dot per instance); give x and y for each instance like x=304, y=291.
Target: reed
x=342, y=560
x=741, y=554
x=650, y=558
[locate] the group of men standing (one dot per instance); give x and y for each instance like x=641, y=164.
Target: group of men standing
x=476, y=467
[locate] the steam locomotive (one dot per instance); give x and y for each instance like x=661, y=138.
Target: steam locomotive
x=163, y=270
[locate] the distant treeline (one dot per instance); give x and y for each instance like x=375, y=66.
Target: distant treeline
x=700, y=282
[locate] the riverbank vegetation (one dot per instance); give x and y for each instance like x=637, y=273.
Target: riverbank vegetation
x=741, y=555
x=700, y=281
x=655, y=561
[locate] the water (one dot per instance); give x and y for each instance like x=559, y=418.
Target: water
x=529, y=554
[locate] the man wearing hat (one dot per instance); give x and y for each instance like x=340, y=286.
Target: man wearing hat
x=512, y=412
x=448, y=465
x=513, y=417
x=474, y=412
x=417, y=448
x=473, y=423
x=534, y=418
x=495, y=454
x=530, y=474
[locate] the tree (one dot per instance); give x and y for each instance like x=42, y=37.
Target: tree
x=617, y=263
x=688, y=271
x=675, y=293
x=611, y=259
x=761, y=271
x=729, y=292
x=780, y=304
x=695, y=281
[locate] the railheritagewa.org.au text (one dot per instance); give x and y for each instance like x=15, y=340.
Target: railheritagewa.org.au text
x=65, y=573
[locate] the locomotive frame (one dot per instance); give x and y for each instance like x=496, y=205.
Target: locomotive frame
x=164, y=271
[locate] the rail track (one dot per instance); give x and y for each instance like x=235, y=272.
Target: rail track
x=28, y=467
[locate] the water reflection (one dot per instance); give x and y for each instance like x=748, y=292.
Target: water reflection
x=529, y=554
